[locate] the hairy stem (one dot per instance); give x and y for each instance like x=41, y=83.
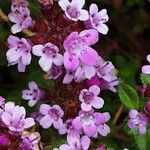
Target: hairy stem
x=117, y=115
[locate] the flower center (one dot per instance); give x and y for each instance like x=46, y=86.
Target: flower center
x=73, y=12
x=50, y=52
x=54, y=113
x=87, y=119
x=88, y=97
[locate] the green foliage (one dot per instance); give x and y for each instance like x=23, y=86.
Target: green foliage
x=142, y=141
x=128, y=96
x=5, y=5
x=127, y=69
x=145, y=79
x=34, y=7
x=4, y=32
x=132, y=3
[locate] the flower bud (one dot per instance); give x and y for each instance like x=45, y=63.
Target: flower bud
x=148, y=106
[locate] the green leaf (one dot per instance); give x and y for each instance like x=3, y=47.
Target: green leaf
x=34, y=7
x=140, y=141
x=128, y=96
x=145, y=79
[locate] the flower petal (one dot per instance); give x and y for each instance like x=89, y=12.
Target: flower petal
x=16, y=28
x=37, y=50
x=63, y=4
x=93, y=9
x=28, y=122
x=84, y=15
x=46, y=122
x=44, y=109
x=95, y=89
x=89, y=56
x=146, y=69
x=98, y=103
x=45, y=63
x=90, y=36
x=102, y=28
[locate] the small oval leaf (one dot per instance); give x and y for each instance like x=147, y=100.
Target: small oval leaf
x=128, y=96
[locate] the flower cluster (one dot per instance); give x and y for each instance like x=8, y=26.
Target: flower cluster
x=20, y=15
x=138, y=121
x=13, y=117
x=67, y=57
x=13, y=120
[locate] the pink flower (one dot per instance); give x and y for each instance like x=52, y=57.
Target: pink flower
x=80, y=58
x=20, y=15
x=49, y=55
x=97, y=19
x=55, y=72
x=106, y=74
x=51, y=115
x=73, y=9
x=84, y=72
x=19, y=52
x=33, y=95
x=146, y=68
x=67, y=127
x=92, y=123
x=75, y=142
x=89, y=98
x=14, y=118
x=93, y=81
x=2, y=101
x=30, y=141
x=101, y=148
x=4, y=141
x=138, y=121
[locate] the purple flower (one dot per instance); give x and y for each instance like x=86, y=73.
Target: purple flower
x=75, y=143
x=33, y=95
x=77, y=48
x=106, y=74
x=2, y=101
x=54, y=73
x=30, y=141
x=97, y=19
x=101, y=148
x=4, y=141
x=89, y=98
x=148, y=106
x=92, y=123
x=93, y=81
x=146, y=68
x=100, y=120
x=49, y=55
x=15, y=4
x=14, y=118
x=73, y=9
x=84, y=72
x=67, y=127
x=19, y=52
x=80, y=58
x=20, y=15
x=138, y=121
x=51, y=115
x=68, y=77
